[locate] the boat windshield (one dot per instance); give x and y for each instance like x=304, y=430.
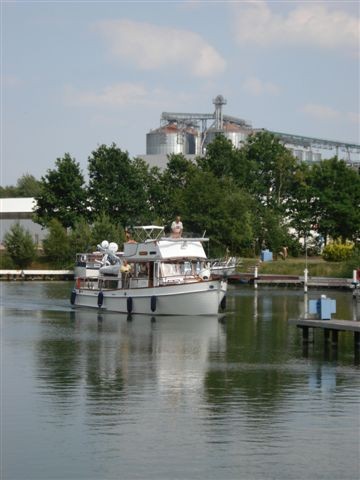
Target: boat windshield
x=168, y=269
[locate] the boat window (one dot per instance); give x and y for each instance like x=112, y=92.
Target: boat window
x=180, y=268
x=143, y=270
x=187, y=268
x=111, y=284
x=169, y=269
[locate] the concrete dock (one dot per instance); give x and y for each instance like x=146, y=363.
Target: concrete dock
x=36, y=274
x=329, y=327
x=291, y=280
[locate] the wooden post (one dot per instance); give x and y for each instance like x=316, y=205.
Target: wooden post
x=356, y=340
x=305, y=331
x=334, y=337
x=357, y=348
x=326, y=335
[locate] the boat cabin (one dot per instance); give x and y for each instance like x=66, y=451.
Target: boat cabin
x=155, y=261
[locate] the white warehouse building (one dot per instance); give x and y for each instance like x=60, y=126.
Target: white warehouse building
x=20, y=210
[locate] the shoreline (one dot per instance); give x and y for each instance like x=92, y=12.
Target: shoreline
x=237, y=278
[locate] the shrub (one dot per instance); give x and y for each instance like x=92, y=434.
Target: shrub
x=5, y=262
x=353, y=263
x=57, y=246
x=337, y=251
x=20, y=246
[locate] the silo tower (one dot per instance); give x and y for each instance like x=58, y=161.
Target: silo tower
x=219, y=101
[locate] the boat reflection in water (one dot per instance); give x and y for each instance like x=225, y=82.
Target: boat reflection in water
x=166, y=353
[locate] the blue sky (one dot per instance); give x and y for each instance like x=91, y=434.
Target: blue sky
x=75, y=75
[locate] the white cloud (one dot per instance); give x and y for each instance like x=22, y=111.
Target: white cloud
x=121, y=95
x=11, y=81
x=257, y=87
x=354, y=117
x=150, y=47
x=111, y=96
x=320, y=112
x=307, y=24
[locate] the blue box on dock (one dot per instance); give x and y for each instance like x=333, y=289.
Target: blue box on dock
x=266, y=256
x=323, y=307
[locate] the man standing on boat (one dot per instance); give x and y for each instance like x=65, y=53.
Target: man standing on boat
x=176, y=228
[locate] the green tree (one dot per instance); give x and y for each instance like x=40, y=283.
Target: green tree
x=104, y=228
x=272, y=169
x=300, y=203
x=148, y=180
x=220, y=157
x=8, y=191
x=237, y=232
x=353, y=263
x=336, y=206
x=81, y=238
x=57, y=246
x=116, y=185
x=62, y=195
x=26, y=186
x=226, y=161
x=218, y=207
x=20, y=246
x=271, y=230
x=172, y=183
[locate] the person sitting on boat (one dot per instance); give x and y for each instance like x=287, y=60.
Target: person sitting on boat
x=125, y=270
x=176, y=228
x=125, y=267
x=128, y=237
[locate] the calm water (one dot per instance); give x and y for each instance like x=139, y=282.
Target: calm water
x=89, y=396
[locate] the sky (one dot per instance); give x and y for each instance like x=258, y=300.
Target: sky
x=79, y=74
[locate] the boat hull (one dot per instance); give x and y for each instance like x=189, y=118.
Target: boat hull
x=202, y=298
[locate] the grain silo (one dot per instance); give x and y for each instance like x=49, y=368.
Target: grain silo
x=236, y=133
x=172, y=138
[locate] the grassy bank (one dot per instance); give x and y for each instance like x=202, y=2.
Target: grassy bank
x=295, y=266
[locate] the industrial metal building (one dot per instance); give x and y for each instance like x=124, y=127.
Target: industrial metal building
x=190, y=133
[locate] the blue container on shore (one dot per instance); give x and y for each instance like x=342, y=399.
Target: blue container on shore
x=266, y=256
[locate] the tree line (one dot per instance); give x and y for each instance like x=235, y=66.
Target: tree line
x=244, y=199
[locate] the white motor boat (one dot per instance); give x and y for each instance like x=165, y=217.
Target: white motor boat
x=154, y=275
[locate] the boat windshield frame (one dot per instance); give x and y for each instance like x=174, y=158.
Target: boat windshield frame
x=148, y=232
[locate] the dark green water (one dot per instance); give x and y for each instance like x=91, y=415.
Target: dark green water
x=89, y=396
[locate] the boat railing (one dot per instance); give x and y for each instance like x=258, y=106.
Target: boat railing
x=224, y=262
x=147, y=233
x=92, y=260
x=185, y=239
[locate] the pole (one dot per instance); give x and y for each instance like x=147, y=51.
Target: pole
x=306, y=271
x=354, y=280
x=305, y=280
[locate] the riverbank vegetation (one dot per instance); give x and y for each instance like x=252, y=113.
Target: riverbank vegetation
x=317, y=267
x=244, y=199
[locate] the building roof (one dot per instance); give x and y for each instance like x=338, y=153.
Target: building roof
x=17, y=205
